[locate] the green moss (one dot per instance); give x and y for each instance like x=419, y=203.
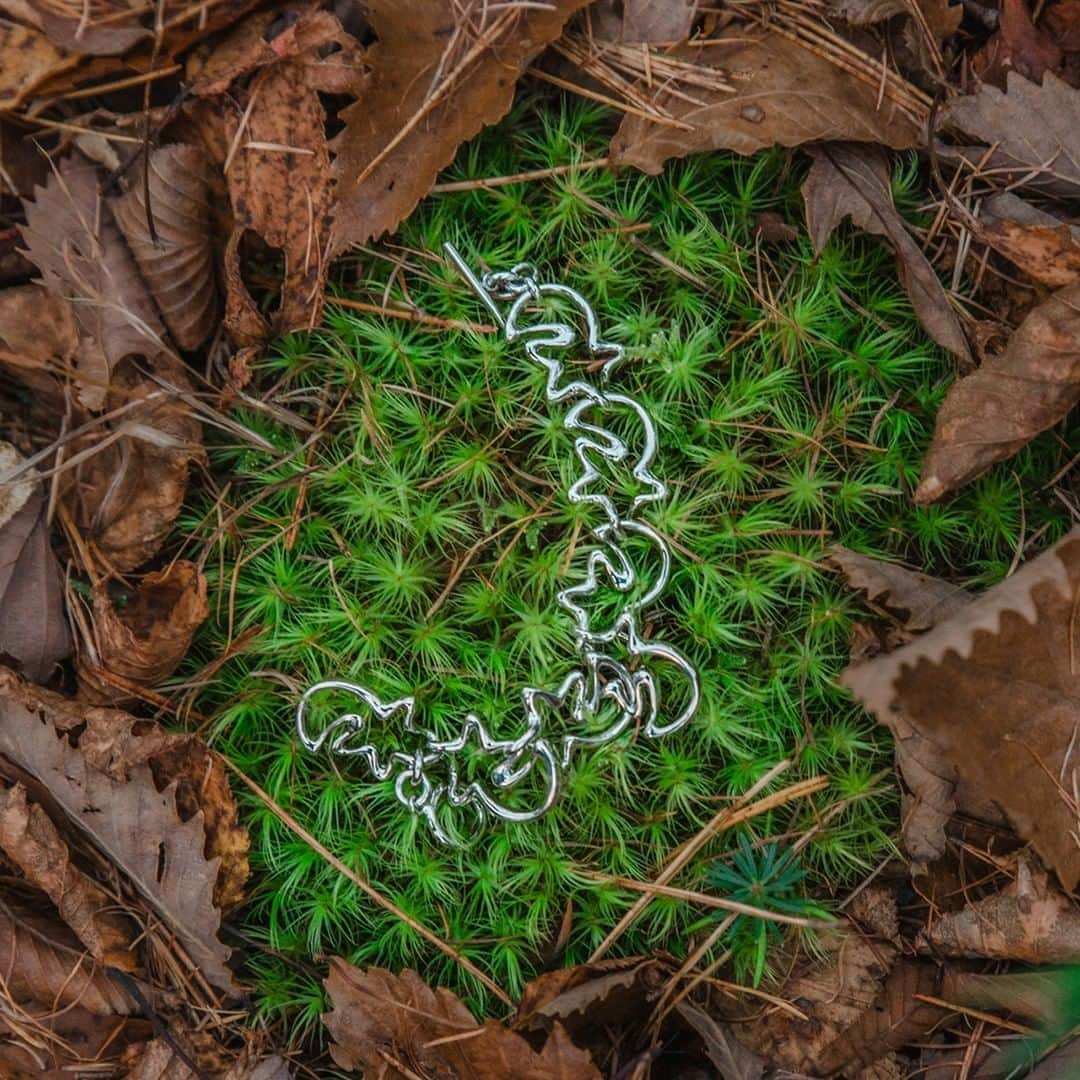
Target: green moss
x=795, y=397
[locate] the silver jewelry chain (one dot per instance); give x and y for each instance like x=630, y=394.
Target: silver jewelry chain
x=614, y=688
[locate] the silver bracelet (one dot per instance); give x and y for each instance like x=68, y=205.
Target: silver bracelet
x=616, y=666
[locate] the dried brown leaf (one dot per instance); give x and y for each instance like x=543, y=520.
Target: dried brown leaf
x=785, y=95
x=1030, y=920
x=436, y=77
x=590, y=995
x=268, y=37
x=31, y=841
x=733, y=1061
x=177, y=261
x=1037, y=242
x=833, y=992
x=895, y=1019
x=144, y=641
x=136, y=824
x=159, y=1061
x=44, y=1043
x=37, y=330
x=919, y=600
x=852, y=181
x=33, y=621
x=127, y=494
x=29, y=59
x=389, y=1024
x=995, y=692
x=1030, y=134
x=43, y=961
x=280, y=191
x=989, y=415
x=647, y=21
x=72, y=240
x=1019, y=46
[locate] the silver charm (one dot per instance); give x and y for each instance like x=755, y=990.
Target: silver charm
x=616, y=672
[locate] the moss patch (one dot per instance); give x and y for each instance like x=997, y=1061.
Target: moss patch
x=795, y=397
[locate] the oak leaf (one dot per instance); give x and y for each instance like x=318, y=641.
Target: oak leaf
x=32, y=842
x=846, y=180
x=994, y=695
x=93, y=766
x=144, y=641
x=33, y=621
x=395, y=1026
x=933, y=792
x=785, y=95
x=177, y=259
x=436, y=77
x=990, y=414
x=919, y=600
x=72, y=240
x=1029, y=134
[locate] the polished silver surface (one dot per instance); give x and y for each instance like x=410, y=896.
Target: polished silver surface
x=614, y=687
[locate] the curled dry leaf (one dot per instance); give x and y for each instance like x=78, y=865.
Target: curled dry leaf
x=98, y=764
x=29, y=59
x=852, y=181
x=279, y=188
x=989, y=415
x=126, y=495
x=1030, y=134
x=784, y=95
x=37, y=330
x=395, y=1026
x=33, y=621
x=1030, y=920
x=44, y=962
x=32, y=842
x=1037, y=242
x=733, y=1061
x=71, y=238
x=436, y=77
x=995, y=694
x=144, y=641
x=177, y=261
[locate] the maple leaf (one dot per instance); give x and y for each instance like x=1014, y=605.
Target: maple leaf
x=994, y=695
